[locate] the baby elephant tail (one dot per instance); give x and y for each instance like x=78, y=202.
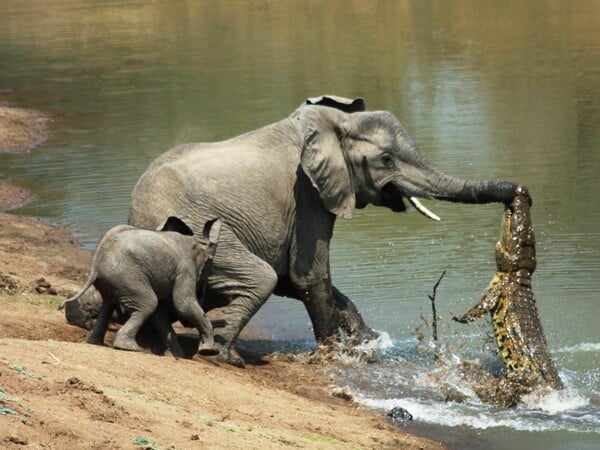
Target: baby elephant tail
x=79, y=293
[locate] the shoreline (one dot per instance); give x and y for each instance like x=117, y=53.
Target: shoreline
x=123, y=399
x=22, y=129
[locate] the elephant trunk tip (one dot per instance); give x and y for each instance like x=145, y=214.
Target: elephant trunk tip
x=501, y=191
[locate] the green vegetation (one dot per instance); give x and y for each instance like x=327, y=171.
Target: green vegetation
x=145, y=443
x=321, y=439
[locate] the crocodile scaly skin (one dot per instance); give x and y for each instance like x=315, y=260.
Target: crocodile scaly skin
x=515, y=320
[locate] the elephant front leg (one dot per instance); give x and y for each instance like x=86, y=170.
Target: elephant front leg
x=309, y=270
x=351, y=321
x=189, y=310
x=320, y=305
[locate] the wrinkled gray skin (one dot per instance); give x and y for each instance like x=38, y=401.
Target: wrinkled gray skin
x=279, y=190
x=156, y=276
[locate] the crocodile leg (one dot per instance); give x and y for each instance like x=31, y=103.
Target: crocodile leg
x=488, y=302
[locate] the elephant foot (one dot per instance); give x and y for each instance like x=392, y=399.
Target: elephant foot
x=95, y=341
x=227, y=356
x=208, y=351
x=172, y=346
x=126, y=344
x=174, y=349
x=365, y=335
x=349, y=319
x=207, y=347
x=226, y=331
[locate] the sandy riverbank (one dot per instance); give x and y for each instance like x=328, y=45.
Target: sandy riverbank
x=56, y=391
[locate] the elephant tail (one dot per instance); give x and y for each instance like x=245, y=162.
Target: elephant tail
x=79, y=293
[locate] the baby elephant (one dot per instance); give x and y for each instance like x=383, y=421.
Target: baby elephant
x=157, y=275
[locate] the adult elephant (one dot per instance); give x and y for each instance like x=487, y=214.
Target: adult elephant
x=278, y=191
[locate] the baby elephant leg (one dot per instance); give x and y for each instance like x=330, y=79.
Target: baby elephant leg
x=101, y=324
x=189, y=310
x=141, y=305
x=161, y=320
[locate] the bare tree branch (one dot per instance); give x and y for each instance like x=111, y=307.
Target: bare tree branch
x=433, y=310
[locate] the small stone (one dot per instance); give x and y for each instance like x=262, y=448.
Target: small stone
x=18, y=440
x=73, y=381
x=399, y=414
x=342, y=392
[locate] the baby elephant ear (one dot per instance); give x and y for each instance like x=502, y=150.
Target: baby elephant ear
x=323, y=160
x=175, y=224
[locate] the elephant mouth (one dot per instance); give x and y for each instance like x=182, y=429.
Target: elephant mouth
x=393, y=197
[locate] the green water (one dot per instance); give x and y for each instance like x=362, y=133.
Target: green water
x=488, y=89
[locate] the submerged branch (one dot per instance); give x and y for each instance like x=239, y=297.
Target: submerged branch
x=433, y=309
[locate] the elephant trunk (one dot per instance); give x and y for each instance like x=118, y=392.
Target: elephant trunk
x=424, y=181
x=473, y=191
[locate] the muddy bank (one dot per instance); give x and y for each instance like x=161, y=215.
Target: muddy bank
x=22, y=129
x=11, y=196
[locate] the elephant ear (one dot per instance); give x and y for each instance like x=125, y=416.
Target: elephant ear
x=343, y=104
x=175, y=224
x=323, y=160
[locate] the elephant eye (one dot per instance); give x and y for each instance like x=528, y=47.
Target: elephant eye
x=387, y=160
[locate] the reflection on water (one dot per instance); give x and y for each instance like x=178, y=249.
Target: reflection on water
x=488, y=89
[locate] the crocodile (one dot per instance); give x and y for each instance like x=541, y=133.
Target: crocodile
x=515, y=321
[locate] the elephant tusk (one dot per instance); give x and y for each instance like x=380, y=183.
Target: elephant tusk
x=419, y=207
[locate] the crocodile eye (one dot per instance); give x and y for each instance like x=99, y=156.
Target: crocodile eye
x=387, y=160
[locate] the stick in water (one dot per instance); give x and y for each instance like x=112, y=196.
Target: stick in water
x=433, y=310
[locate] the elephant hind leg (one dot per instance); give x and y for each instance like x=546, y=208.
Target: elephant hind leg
x=142, y=305
x=161, y=320
x=101, y=324
x=245, y=281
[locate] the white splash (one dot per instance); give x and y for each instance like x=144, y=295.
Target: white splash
x=483, y=417
x=554, y=402
x=366, y=351
x=582, y=347
x=453, y=414
x=382, y=343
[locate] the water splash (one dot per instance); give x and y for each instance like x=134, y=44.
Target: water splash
x=426, y=381
x=580, y=348
x=555, y=402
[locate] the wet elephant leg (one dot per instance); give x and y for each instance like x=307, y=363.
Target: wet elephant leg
x=350, y=320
